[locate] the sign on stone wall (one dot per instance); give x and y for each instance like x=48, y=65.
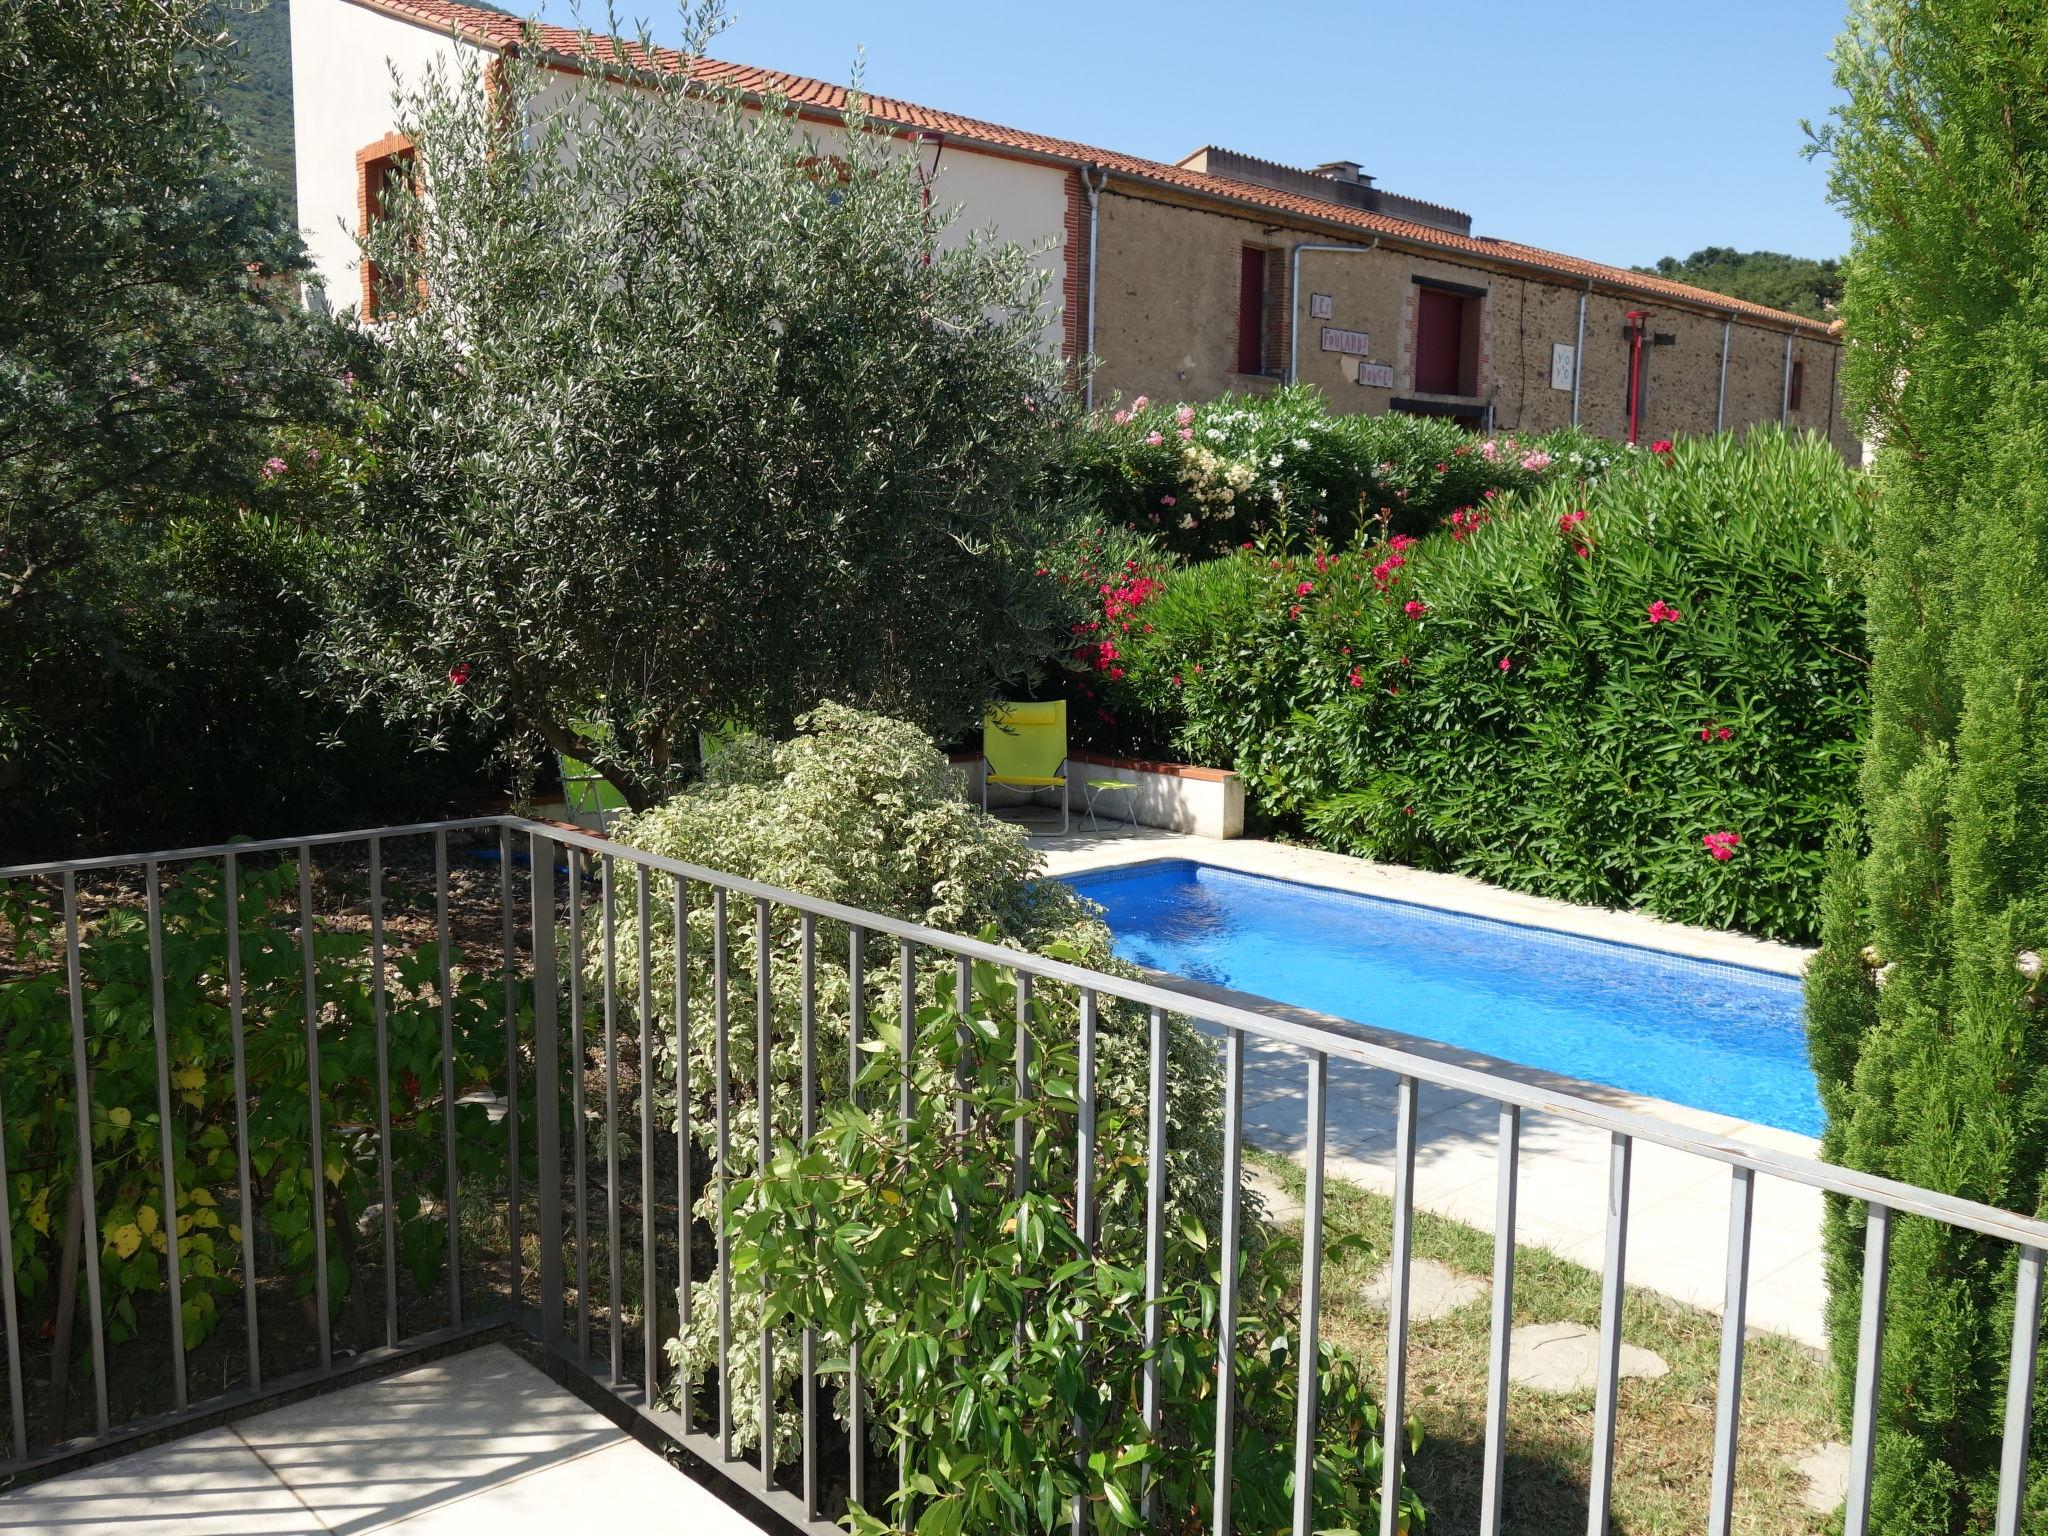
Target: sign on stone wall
x=1376, y=375
x=1321, y=306
x=1350, y=343
x=1563, y=360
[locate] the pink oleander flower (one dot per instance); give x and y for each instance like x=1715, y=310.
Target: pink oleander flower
x=1186, y=434
x=1139, y=404
x=1304, y=589
x=1507, y=663
x=273, y=467
x=1357, y=678
x=1662, y=445
x=1121, y=418
x=1414, y=609
x=1536, y=462
x=459, y=673
x=1168, y=501
x=1154, y=439
x=1721, y=845
x=1662, y=612
x=1185, y=416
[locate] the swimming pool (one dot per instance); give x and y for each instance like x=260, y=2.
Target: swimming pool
x=1718, y=1037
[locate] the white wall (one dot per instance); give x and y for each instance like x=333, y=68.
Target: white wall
x=342, y=60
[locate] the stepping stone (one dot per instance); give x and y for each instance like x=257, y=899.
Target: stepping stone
x=1433, y=1290
x=1826, y=1471
x=1565, y=1357
x=1283, y=1208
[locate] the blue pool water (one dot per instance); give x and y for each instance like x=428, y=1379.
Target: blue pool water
x=1718, y=1037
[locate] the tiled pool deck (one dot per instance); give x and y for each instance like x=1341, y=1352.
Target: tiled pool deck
x=476, y=1444
x=1678, y=1203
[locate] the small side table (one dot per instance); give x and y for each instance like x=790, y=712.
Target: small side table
x=1095, y=789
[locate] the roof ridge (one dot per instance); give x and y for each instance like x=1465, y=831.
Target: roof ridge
x=502, y=29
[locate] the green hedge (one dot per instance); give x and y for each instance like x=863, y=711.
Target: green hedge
x=1203, y=478
x=1568, y=693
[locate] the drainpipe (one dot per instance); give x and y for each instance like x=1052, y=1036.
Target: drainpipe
x=1785, y=388
x=1294, y=294
x=1579, y=352
x=1721, y=395
x=1635, y=327
x=1094, y=191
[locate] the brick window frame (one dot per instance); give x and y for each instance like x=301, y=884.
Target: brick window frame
x=375, y=163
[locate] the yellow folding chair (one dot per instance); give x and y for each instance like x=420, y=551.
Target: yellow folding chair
x=592, y=799
x=1024, y=746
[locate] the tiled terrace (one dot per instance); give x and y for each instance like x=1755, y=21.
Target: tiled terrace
x=1678, y=1203
x=475, y=1444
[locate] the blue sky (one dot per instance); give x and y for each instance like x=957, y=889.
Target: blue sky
x=1616, y=131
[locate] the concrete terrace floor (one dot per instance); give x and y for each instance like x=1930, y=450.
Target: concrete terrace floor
x=1678, y=1202
x=475, y=1444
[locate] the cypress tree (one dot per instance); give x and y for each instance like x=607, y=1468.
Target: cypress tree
x=1926, y=1007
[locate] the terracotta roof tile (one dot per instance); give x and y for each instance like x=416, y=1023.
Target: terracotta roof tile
x=498, y=29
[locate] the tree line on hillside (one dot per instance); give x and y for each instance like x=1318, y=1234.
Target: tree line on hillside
x=1800, y=284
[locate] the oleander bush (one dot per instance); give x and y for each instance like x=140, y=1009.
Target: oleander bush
x=861, y=809
x=1001, y=1337
x=1205, y=477
x=1644, y=691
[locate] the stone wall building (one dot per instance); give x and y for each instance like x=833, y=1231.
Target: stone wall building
x=1181, y=280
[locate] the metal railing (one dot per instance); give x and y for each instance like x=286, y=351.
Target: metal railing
x=563, y=1310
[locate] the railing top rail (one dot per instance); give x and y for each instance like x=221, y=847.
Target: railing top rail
x=1956, y=1211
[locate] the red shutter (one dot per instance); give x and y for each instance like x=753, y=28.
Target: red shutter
x=1251, y=310
x=1439, y=340
x=1798, y=385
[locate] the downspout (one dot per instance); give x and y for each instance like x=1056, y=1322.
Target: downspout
x=1579, y=352
x=1635, y=319
x=1094, y=190
x=1785, y=388
x=1721, y=394
x=1294, y=294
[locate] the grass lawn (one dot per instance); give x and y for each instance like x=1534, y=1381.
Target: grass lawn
x=1664, y=1435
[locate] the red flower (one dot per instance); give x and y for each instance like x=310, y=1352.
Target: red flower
x=1357, y=678
x=1724, y=733
x=1414, y=609
x=1507, y=663
x=1662, y=612
x=1304, y=589
x=1721, y=845
x=1662, y=445
x=459, y=673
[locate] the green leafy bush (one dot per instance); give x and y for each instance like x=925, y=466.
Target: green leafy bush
x=863, y=810
x=1568, y=691
x=1205, y=477
x=39, y=1098
x=1000, y=1338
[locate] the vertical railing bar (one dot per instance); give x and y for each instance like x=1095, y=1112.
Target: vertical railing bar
x=231, y=919
x=1877, y=1244
x=1084, y=1212
x=579, y=1061
x=1226, y=1302
x=17, y=1415
x=856, y=1404
x=90, y=1223
x=807, y=1054
x=681, y=903
x=1507, y=1155
x=1607, y=1382
x=453, y=1173
x=1020, y=1139
x=650, y=1267
x=152, y=877
x=764, y=1151
x=907, y=1014
x=2019, y=1391
x=611, y=1129
x=721, y=1076
x=547, y=1079
x=382, y=1027
x=508, y=952
x=1310, y=1326
x=1734, y=1310
x=1155, y=1243
x=1395, y=1408
x=317, y=1134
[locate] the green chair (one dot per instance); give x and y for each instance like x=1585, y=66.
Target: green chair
x=592, y=799
x=1024, y=746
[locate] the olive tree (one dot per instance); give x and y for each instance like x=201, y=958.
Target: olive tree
x=687, y=418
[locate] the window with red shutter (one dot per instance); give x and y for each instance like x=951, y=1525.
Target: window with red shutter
x=1439, y=341
x=1251, y=310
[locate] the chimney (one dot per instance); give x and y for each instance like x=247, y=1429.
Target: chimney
x=1350, y=172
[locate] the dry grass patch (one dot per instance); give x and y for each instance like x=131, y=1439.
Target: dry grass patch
x=1664, y=1436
